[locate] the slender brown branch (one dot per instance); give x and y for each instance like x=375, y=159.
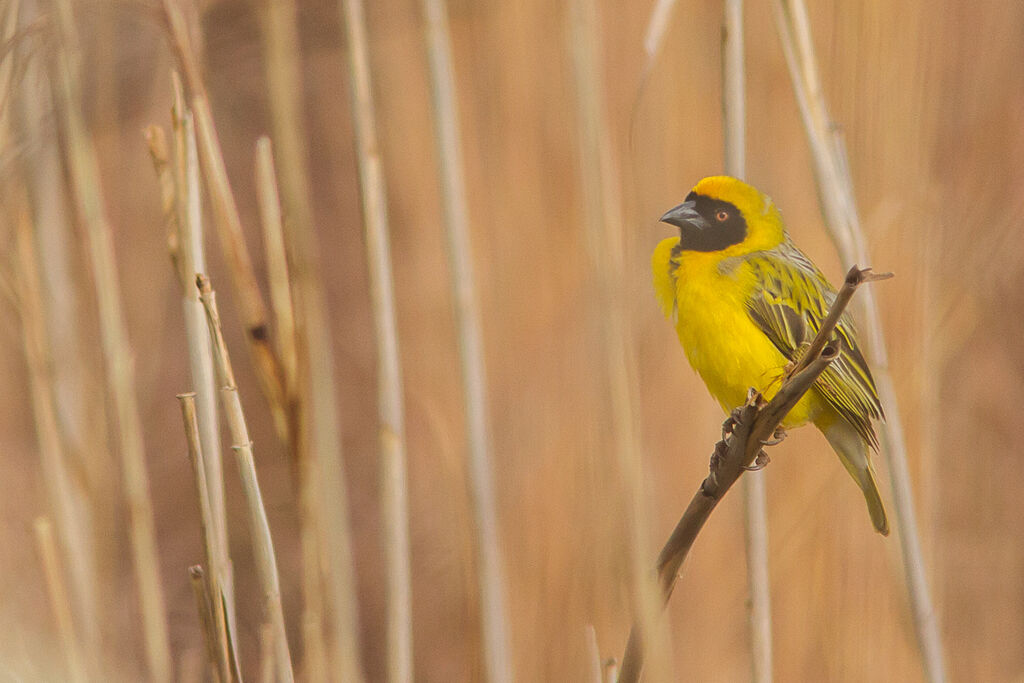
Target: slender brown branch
x=752, y=425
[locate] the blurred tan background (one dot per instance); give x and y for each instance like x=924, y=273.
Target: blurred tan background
x=930, y=99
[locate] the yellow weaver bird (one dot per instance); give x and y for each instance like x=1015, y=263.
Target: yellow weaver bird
x=745, y=301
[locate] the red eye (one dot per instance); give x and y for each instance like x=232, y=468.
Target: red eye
x=722, y=216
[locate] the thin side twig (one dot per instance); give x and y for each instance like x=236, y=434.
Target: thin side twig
x=263, y=545
x=490, y=562
x=838, y=205
x=118, y=358
x=394, y=476
x=753, y=424
x=755, y=507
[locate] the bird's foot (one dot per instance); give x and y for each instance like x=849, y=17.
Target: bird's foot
x=777, y=437
x=721, y=449
x=760, y=462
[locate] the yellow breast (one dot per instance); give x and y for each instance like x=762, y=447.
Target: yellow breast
x=720, y=340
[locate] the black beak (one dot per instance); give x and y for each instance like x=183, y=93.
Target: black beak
x=685, y=216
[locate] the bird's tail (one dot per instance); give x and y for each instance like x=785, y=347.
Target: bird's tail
x=853, y=452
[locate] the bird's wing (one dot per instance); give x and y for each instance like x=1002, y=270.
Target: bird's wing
x=789, y=305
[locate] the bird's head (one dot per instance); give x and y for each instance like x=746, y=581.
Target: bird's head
x=722, y=213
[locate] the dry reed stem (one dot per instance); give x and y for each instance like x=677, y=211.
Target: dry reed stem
x=263, y=546
x=68, y=504
x=193, y=260
x=118, y=358
x=755, y=508
x=212, y=635
x=394, y=488
x=229, y=223
x=490, y=562
x=838, y=205
x=748, y=429
x=595, y=666
x=268, y=665
x=75, y=368
x=207, y=525
x=603, y=215
x=323, y=494
x=59, y=600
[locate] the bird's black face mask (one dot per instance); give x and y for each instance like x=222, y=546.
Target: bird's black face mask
x=706, y=224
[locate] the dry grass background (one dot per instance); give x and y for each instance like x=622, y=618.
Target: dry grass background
x=930, y=98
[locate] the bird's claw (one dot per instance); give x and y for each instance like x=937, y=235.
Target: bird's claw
x=777, y=437
x=760, y=462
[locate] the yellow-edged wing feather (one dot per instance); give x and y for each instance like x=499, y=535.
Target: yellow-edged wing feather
x=790, y=303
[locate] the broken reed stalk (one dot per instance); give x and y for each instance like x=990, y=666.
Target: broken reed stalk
x=752, y=426
x=755, y=508
x=394, y=475
x=229, y=222
x=207, y=525
x=839, y=207
x=84, y=173
x=212, y=635
x=59, y=600
x=263, y=545
x=490, y=562
x=599, y=181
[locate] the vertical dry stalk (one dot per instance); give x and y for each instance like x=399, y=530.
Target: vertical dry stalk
x=68, y=504
x=84, y=173
x=212, y=635
x=734, y=109
x=389, y=374
x=263, y=546
x=229, y=222
x=835, y=193
x=208, y=526
x=200, y=355
x=72, y=368
x=494, y=615
x=603, y=213
x=59, y=600
x=326, y=537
